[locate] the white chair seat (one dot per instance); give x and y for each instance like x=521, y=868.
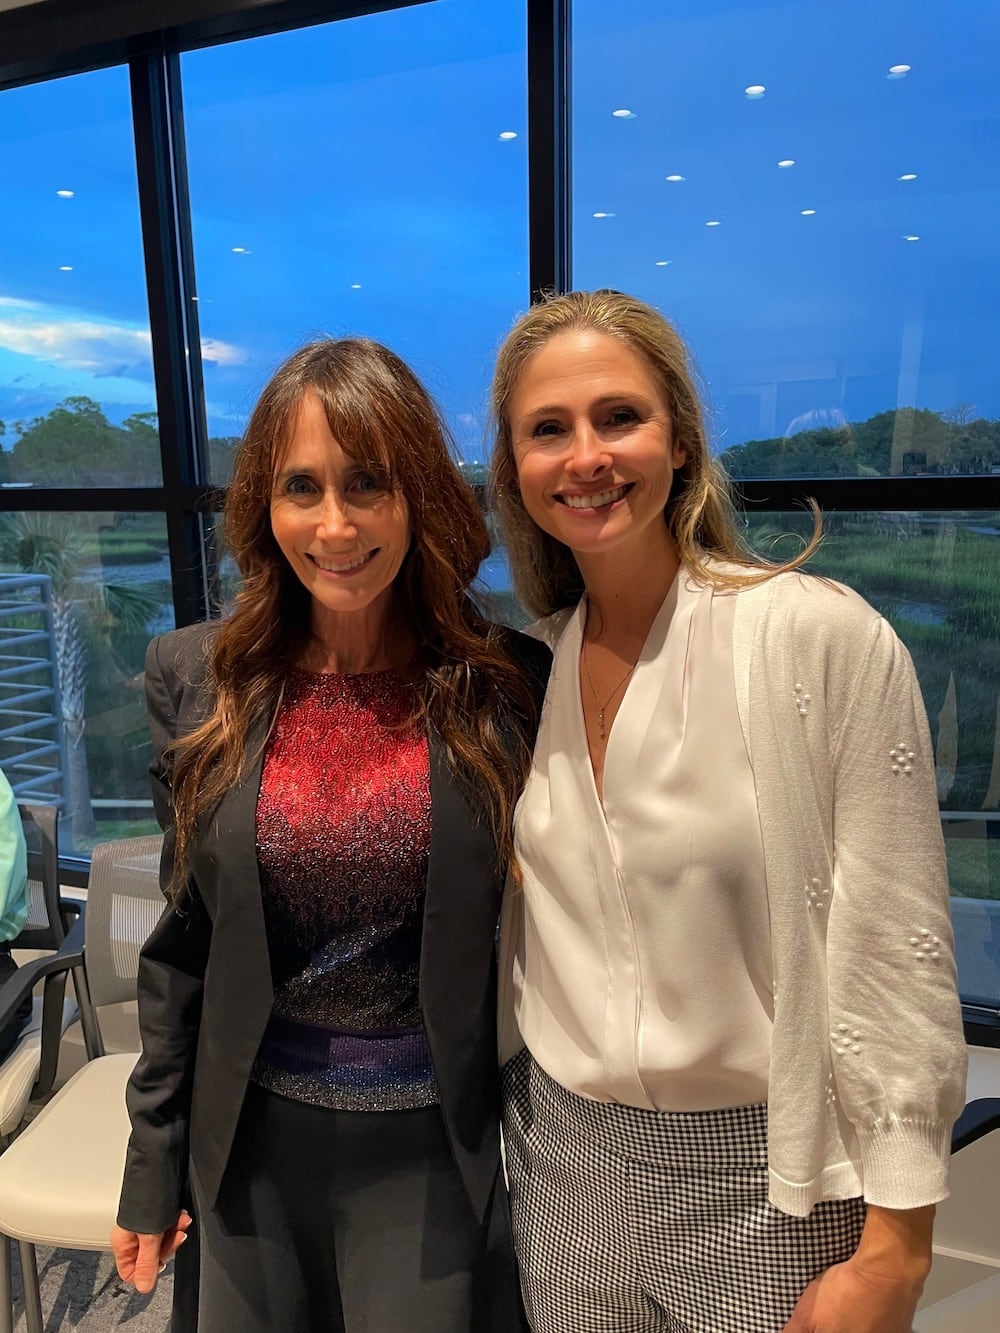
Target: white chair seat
x=42, y=1202
x=19, y=1071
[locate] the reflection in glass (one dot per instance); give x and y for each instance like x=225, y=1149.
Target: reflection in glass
x=77, y=400
x=80, y=597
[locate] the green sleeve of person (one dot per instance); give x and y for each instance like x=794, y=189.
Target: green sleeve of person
x=13, y=865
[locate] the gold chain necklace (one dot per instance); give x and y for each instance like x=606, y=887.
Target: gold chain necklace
x=602, y=706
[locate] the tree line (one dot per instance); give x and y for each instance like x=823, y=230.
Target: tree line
x=904, y=441
x=75, y=443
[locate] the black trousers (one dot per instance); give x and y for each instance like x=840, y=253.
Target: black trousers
x=346, y=1222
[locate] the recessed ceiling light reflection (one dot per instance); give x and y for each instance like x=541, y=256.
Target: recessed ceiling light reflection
x=623, y=113
x=755, y=91
x=714, y=223
x=65, y=194
x=662, y=263
x=65, y=268
x=898, y=71
x=506, y=135
x=602, y=215
x=675, y=178
x=907, y=176
x=911, y=238
x=808, y=212
x=355, y=286
x=787, y=162
x=240, y=250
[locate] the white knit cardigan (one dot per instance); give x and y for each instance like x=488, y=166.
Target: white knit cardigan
x=868, y=1057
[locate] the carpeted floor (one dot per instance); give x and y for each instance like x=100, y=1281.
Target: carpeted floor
x=81, y=1293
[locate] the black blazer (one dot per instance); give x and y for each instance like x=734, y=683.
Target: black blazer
x=205, y=991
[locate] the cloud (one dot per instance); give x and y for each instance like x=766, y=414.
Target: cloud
x=87, y=343
x=220, y=353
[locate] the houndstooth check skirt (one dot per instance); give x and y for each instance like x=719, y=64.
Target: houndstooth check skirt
x=635, y=1221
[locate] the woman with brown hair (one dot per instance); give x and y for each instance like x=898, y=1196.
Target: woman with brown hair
x=335, y=766
x=732, y=1038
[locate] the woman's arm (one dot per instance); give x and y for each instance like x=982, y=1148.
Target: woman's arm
x=13, y=865
x=171, y=977
x=899, y=1059
x=891, y=980
x=877, y=1289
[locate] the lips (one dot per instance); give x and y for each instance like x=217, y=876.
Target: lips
x=596, y=501
x=344, y=566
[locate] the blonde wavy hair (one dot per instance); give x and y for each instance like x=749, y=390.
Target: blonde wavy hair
x=700, y=513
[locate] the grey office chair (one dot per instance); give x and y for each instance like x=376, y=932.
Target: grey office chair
x=49, y=918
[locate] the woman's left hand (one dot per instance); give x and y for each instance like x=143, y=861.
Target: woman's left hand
x=847, y=1298
x=877, y=1289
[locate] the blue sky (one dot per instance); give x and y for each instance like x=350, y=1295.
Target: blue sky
x=351, y=178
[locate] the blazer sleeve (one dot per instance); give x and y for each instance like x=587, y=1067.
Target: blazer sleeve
x=170, y=983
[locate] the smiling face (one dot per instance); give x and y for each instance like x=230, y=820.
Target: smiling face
x=343, y=530
x=593, y=447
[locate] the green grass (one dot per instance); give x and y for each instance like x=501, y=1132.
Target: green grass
x=973, y=867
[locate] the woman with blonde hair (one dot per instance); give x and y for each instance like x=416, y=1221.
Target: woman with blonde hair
x=334, y=764
x=731, y=1036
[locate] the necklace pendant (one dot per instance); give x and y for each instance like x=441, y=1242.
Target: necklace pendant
x=600, y=722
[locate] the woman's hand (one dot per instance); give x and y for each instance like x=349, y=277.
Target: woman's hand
x=848, y=1299
x=877, y=1289
x=140, y=1255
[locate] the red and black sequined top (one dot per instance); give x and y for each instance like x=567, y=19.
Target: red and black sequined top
x=343, y=836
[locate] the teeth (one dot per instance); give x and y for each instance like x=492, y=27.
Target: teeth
x=594, y=501
x=331, y=568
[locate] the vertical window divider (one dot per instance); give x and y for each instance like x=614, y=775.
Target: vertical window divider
x=549, y=150
x=164, y=206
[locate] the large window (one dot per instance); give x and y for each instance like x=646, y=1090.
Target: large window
x=365, y=176
x=80, y=596
x=811, y=192
x=368, y=176
x=77, y=401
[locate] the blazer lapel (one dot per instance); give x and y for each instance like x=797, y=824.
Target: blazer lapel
x=231, y=841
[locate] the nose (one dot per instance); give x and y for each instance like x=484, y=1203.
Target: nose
x=588, y=456
x=335, y=521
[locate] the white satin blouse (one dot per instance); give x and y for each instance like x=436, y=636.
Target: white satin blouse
x=643, y=975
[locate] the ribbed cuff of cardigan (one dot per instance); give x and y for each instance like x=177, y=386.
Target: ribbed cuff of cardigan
x=904, y=1163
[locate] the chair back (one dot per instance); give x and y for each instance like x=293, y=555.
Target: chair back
x=124, y=903
x=46, y=926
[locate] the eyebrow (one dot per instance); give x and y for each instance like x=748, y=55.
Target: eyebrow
x=598, y=402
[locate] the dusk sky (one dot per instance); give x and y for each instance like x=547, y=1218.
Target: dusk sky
x=352, y=178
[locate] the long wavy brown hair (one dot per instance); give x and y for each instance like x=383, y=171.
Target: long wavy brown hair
x=700, y=512
x=469, y=688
